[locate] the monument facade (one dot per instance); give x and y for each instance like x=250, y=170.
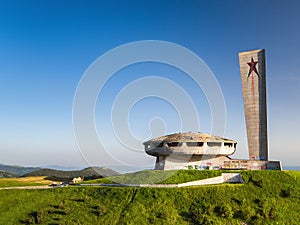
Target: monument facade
x=189, y=150
x=202, y=151
x=253, y=77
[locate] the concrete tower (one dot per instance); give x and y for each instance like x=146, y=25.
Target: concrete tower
x=253, y=76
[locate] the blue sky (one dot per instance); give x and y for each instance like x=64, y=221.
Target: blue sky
x=46, y=46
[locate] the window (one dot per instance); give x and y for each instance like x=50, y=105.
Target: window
x=194, y=144
x=174, y=144
x=214, y=144
x=159, y=145
x=228, y=144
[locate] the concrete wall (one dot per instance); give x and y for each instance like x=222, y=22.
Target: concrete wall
x=252, y=164
x=267, y=165
x=189, y=150
x=254, y=94
x=176, y=162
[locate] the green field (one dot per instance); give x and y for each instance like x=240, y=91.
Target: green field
x=268, y=197
x=24, y=181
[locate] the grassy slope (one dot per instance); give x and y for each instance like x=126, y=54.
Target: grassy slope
x=162, y=177
x=66, y=176
x=268, y=197
x=24, y=181
x=5, y=174
x=18, y=170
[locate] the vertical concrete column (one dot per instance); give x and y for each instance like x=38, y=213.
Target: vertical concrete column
x=253, y=77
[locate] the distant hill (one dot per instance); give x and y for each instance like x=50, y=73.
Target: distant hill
x=5, y=174
x=64, y=168
x=291, y=168
x=18, y=170
x=88, y=173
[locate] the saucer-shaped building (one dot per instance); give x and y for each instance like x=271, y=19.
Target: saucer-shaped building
x=189, y=150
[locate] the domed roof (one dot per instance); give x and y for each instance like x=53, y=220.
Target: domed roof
x=190, y=137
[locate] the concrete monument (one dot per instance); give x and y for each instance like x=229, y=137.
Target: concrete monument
x=253, y=77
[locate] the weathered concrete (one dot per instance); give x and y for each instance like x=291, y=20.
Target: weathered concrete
x=175, y=162
x=182, y=150
x=225, y=178
x=253, y=77
x=242, y=164
x=213, y=180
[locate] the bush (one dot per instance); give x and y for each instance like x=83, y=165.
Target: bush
x=201, y=211
x=246, y=213
x=225, y=211
x=268, y=208
x=162, y=215
x=99, y=210
x=288, y=191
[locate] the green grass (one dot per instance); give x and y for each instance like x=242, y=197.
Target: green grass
x=160, y=177
x=295, y=174
x=268, y=197
x=24, y=181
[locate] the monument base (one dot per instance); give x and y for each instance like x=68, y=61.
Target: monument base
x=175, y=162
x=241, y=164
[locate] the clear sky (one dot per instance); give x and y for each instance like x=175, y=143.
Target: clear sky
x=46, y=46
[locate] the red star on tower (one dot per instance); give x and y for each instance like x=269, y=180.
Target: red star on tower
x=252, y=65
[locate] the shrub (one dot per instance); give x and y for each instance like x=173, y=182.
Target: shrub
x=201, y=211
x=287, y=191
x=268, y=208
x=162, y=215
x=190, y=167
x=246, y=213
x=257, y=182
x=99, y=210
x=225, y=211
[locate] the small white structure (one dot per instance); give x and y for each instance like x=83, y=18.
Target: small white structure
x=77, y=180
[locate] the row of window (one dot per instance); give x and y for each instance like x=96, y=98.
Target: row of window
x=196, y=144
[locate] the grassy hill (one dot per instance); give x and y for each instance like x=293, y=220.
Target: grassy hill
x=159, y=177
x=5, y=174
x=267, y=197
x=59, y=175
x=18, y=170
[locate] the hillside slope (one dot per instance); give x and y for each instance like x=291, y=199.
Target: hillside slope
x=18, y=170
x=5, y=174
x=159, y=177
x=87, y=173
x=267, y=197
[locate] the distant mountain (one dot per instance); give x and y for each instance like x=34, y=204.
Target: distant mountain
x=104, y=171
x=291, y=168
x=5, y=174
x=64, y=168
x=88, y=173
x=130, y=169
x=18, y=170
